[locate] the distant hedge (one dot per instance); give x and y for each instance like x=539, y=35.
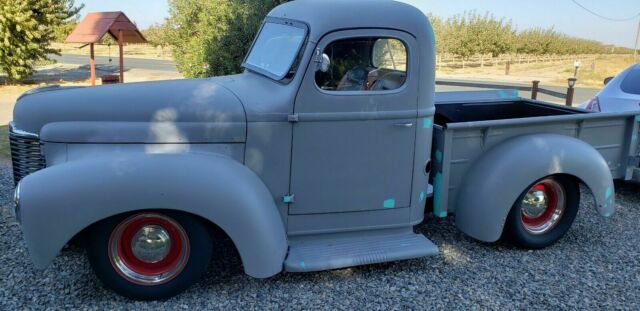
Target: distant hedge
x=471, y=34
x=211, y=37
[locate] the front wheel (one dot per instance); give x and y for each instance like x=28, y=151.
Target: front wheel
x=150, y=255
x=544, y=212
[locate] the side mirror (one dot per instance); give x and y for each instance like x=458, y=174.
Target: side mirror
x=325, y=62
x=607, y=80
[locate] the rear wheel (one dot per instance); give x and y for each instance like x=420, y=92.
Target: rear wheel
x=544, y=212
x=150, y=255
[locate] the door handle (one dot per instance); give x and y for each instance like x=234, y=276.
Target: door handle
x=404, y=124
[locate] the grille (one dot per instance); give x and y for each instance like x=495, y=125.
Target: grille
x=25, y=155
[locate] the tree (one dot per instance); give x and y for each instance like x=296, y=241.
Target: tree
x=211, y=37
x=62, y=31
x=155, y=35
x=27, y=27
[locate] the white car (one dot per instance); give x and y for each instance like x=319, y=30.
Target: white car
x=621, y=93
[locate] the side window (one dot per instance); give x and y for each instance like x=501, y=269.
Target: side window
x=631, y=83
x=363, y=64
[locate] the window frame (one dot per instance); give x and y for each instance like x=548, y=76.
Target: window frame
x=408, y=72
x=303, y=43
x=633, y=73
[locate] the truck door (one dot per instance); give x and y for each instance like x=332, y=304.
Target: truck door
x=353, y=142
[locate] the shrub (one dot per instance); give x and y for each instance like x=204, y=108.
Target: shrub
x=211, y=37
x=27, y=27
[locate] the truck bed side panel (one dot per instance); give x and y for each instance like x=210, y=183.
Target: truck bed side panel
x=460, y=145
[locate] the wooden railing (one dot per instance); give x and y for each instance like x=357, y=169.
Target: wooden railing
x=534, y=88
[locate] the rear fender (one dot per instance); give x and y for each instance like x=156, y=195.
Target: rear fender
x=498, y=178
x=58, y=202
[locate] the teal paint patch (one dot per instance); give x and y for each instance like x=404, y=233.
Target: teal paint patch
x=638, y=118
x=389, y=203
x=438, y=210
x=287, y=199
x=426, y=123
x=421, y=196
x=509, y=94
x=303, y=265
x=608, y=193
x=438, y=156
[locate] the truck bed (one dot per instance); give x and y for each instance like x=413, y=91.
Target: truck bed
x=467, y=124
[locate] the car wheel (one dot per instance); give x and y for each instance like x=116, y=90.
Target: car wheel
x=150, y=255
x=544, y=212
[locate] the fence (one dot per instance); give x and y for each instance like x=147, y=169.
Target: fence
x=534, y=88
x=458, y=62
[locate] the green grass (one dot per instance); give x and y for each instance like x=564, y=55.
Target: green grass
x=5, y=150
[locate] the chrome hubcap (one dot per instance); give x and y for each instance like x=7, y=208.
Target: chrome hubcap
x=534, y=203
x=543, y=206
x=151, y=244
x=148, y=249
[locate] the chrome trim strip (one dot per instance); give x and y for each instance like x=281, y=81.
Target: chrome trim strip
x=16, y=203
x=19, y=132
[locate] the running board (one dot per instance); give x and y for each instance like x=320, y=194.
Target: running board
x=306, y=255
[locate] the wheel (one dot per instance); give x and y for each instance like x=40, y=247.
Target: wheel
x=150, y=255
x=544, y=212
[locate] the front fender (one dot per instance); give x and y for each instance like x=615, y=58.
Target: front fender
x=59, y=201
x=498, y=178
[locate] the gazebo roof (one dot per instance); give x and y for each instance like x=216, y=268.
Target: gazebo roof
x=95, y=25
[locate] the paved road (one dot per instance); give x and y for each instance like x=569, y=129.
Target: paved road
x=580, y=95
x=148, y=64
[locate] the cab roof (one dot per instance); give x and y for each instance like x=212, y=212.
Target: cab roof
x=324, y=16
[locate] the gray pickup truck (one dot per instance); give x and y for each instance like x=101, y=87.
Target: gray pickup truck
x=325, y=153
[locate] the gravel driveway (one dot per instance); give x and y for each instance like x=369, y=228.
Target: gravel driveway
x=597, y=265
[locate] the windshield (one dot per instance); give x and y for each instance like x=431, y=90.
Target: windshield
x=275, y=49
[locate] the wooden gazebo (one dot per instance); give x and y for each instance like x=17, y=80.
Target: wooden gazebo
x=93, y=28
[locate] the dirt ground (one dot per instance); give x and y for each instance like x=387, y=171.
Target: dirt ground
x=591, y=74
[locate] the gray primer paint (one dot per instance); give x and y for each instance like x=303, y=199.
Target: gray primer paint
x=214, y=187
x=496, y=180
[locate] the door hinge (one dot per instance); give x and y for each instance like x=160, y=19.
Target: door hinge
x=288, y=199
x=293, y=117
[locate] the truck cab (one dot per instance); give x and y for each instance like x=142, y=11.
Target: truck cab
x=324, y=153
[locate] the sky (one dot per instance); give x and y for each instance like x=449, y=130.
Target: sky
x=564, y=15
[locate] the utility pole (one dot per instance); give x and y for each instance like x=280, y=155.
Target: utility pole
x=635, y=51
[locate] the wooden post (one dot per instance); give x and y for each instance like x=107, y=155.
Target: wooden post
x=507, y=67
x=120, y=47
x=92, y=64
x=534, y=89
x=570, y=90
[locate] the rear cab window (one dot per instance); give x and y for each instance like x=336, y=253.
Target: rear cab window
x=631, y=83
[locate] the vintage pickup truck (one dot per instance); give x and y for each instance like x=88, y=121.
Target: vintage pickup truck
x=325, y=153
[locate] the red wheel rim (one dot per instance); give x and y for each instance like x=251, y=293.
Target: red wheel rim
x=542, y=206
x=148, y=249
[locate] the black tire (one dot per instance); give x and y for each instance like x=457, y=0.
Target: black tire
x=200, y=251
x=515, y=228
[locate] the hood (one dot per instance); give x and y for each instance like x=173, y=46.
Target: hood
x=196, y=110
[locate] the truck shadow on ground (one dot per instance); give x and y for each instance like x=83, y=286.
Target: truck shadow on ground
x=61, y=73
